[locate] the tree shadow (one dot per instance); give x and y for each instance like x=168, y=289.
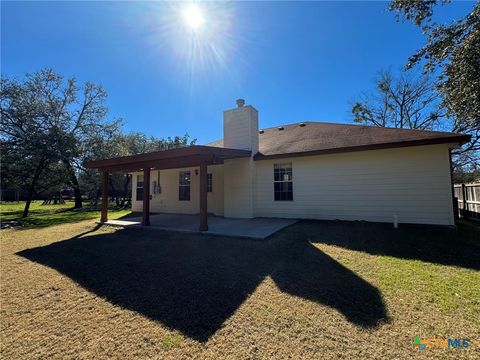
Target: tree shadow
x=434, y=244
x=194, y=283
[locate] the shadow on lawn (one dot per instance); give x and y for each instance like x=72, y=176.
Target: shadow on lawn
x=434, y=244
x=193, y=283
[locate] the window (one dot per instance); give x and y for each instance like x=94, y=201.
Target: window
x=209, y=182
x=139, y=187
x=184, y=186
x=282, y=182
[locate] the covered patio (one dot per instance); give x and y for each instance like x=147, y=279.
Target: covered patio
x=193, y=156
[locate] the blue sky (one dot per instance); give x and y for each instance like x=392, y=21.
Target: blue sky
x=292, y=61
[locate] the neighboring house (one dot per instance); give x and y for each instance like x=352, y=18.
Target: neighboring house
x=309, y=170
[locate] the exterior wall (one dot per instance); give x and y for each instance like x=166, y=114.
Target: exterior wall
x=167, y=201
x=239, y=181
x=413, y=183
x=215, y=198
x=136, y=205
x=240, y=128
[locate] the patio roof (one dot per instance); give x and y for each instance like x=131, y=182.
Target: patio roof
x=167, y=159
x=195, y=155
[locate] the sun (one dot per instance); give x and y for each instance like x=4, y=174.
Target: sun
x=201, y=37
x=193, y=17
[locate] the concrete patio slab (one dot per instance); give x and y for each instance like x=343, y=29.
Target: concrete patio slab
x=121, y=222
x=258, y=228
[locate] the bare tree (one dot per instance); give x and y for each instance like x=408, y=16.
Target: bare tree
x=413, y=102
x=405, y=102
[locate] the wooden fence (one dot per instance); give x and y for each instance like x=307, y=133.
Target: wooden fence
x=468, y=196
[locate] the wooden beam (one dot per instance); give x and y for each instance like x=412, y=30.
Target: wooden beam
x=146, y=197
x=104, y=217
x=203, y=197
x=169, y=155
x=191, y=161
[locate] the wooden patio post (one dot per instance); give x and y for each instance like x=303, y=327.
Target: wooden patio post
x=203, y=197
x=104, y=217
x=146, y=196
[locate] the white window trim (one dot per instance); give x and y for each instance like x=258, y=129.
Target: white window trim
x=290, y=164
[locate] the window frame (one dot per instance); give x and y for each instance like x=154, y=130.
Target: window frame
x=182, y=187
x=139, y=194
x=280, y=170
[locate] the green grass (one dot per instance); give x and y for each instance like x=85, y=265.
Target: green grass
x=444, y=287
x=48, y=215
x=171, y=341
x=317, y=288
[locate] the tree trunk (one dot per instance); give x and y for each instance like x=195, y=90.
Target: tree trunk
x=27, y=205
x=126, y=194
x=74, y=183
x=78, y=196
x=31, y=188
x=113, y=191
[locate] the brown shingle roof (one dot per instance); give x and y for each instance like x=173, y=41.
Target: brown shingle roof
x=320, y=137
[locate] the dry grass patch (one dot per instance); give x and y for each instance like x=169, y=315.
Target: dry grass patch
x=311, y=291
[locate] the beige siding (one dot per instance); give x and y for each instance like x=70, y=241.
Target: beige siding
x=239, y=188
x=412, y=183
x=167, y=201
x=215, y=198
x=136, y=205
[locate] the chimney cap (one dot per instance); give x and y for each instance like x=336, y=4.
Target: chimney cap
x=240, y=102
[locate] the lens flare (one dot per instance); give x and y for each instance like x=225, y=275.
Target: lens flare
x=193, y=17
x=202, y=42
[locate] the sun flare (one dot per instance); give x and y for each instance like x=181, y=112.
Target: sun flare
x=193, y=17
x=201, y=38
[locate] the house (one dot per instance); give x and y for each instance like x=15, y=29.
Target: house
x=308, y=170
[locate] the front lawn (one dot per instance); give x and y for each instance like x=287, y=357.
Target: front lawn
x=317, y=289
